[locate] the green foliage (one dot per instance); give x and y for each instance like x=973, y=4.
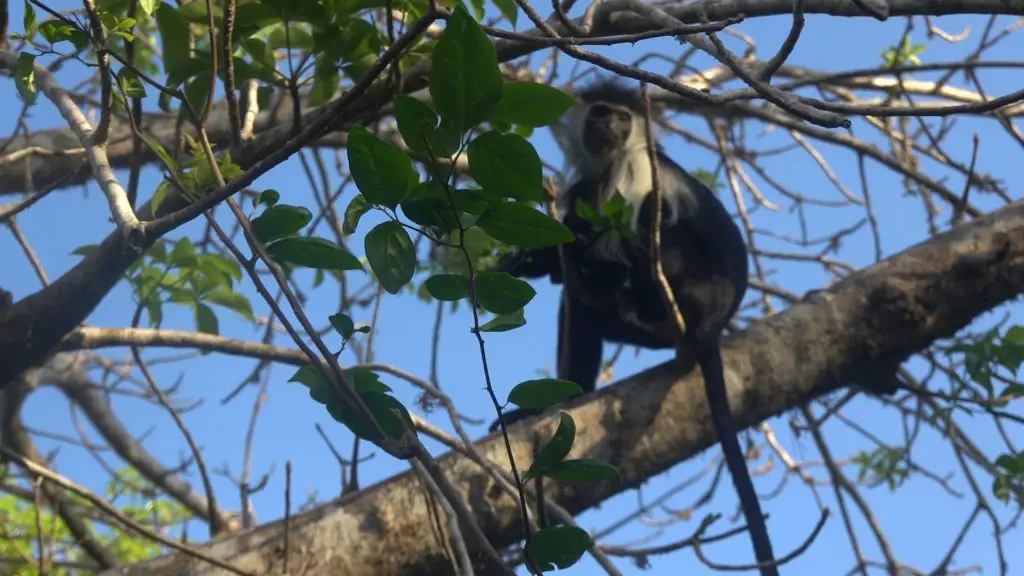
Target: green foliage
x=558, y=547
x=983, y=358
x=448, y=287
x=543, y=393
x=382, y=173
x=133, y=496
x=465, y=82
x=531, y=104
x=501, y=293
x=25, y=77
x=902, y=54
x=506, y=164
x=521, y=225
x=390, y=252
x=885, y=464
x=615, y=215
x=389, y=413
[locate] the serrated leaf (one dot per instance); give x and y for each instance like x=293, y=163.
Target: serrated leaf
x=531, y=104
x=356, y=208
x=543, y=393
x=556, y=449
x=558, y=547
x=505, y=322
x=391, y=255
x=522, y=225
x=465, y=82
x=280, y=221
x=343, y=324
x=313, y=253
x=447, y=287
x=583, y=471
x=382, y=173
x=506, y=165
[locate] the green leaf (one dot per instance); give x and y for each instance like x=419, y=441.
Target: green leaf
x=25, y=77
x=233, y=301
x=206, y=320
x=390, y=414
x=84, y=250
x=149, y=7
x=531, y=104
x=558, y=547
x=418, y=125
x=28, y=19
x=501, y=293
x=197, y=91
x=447, y=287
x=365, y=380
x=326, y=80
x=382, y=173
x=343, y=324
x=522, y=225
x=583, y=472
x=161, y=153
x=131, y=83
x=543, y=393
x=267, y=198
x=280, y=221
x=556, y=449
x=505, y=322
x=174, y=41
x=391, y=255
x=184, y=253
x=509, y=10
x=465, y=82
x=55, y=31
x=506, y=164
x=356, y=208
x=313, y=253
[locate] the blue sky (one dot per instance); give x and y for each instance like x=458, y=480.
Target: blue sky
x=920, y=519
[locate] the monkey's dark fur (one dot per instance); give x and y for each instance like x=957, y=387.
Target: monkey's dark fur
x=609, y=289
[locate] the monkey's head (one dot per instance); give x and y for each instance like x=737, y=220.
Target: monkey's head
x=607, y=124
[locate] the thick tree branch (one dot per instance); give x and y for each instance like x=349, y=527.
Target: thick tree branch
x=611, y=17
x=656, y=419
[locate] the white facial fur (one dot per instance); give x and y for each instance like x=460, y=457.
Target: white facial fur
x=630, y=171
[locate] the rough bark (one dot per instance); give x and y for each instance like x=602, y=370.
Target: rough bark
x=658, y=418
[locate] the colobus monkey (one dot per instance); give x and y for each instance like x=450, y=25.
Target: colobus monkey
x=609, y=289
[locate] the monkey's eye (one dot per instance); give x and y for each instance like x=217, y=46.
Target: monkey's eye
x=601, y=111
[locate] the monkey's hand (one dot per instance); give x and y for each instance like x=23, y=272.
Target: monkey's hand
x=532, y=264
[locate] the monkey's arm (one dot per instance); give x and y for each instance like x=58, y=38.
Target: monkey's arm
x=532, y=264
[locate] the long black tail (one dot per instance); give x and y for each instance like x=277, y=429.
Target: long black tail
x=709, y=356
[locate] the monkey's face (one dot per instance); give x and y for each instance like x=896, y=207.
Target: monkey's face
x=606, y=130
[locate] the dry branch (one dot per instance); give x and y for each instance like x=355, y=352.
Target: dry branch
x=654, y=420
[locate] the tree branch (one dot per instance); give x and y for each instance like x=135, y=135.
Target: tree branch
x=657, y=418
